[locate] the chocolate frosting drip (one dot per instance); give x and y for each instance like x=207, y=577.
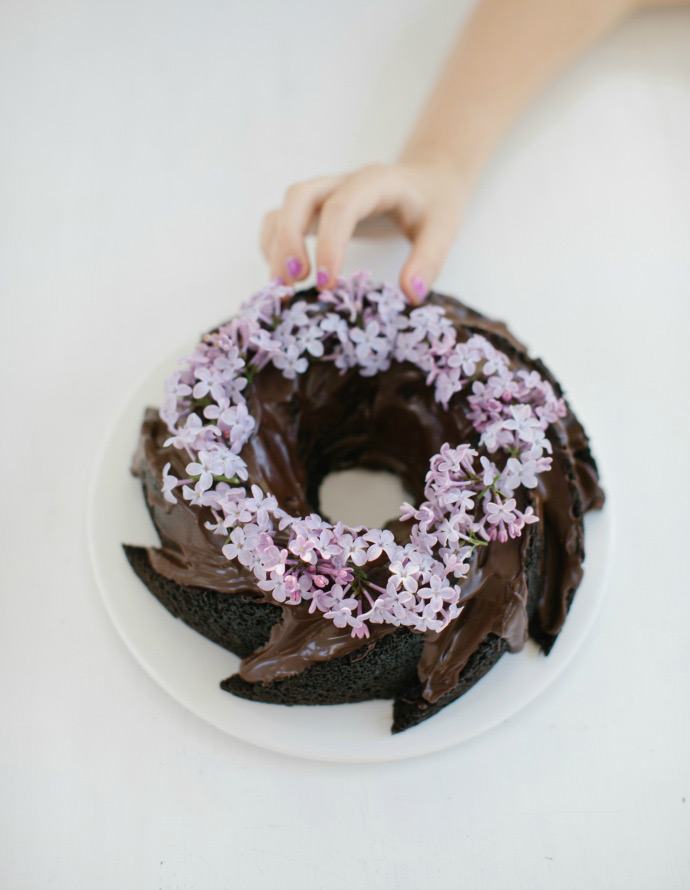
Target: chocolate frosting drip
x=324, y=421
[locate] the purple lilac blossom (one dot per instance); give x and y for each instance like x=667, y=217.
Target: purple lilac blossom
x=468, y=498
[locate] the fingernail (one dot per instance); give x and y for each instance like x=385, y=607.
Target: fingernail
x=322, y=277
x=418, y=286
x=293, y=266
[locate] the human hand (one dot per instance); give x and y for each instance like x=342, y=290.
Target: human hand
x=424, y=198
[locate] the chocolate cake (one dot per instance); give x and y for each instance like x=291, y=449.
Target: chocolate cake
x=326, y=419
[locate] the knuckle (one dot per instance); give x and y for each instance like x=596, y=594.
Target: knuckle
x=375, y=170
x=381, y=175
x=268, y=220
x=336, y=205
x=294, y=192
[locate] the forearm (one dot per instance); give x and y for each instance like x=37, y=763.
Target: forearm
x=506, y=53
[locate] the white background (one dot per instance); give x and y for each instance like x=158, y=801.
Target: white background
x=141, y=142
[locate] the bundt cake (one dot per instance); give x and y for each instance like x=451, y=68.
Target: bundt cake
x=301, y=384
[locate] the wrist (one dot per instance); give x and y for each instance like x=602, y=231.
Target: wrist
x=463, y=164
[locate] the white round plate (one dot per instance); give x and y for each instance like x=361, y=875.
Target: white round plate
x=189, y=667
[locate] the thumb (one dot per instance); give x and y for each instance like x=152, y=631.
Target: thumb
x=430, y=247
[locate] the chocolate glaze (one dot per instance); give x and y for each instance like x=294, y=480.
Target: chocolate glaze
x=324, y=421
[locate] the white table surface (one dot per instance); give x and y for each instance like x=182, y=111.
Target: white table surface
x=141, y=143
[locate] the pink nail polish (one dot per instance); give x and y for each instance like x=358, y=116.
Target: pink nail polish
x=293, y=266
x=322, y=277
x=419, y=287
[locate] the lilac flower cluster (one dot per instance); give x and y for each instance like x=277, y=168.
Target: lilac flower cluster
x=469, y=499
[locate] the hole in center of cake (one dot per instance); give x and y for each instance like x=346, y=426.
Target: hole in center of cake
x=362, y=497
